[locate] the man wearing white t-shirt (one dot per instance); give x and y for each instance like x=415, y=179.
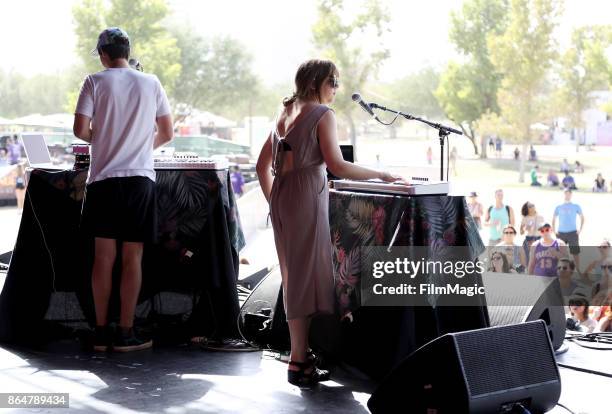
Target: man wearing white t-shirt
x=124, y=114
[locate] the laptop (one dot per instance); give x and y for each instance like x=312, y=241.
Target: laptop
x=37, y=151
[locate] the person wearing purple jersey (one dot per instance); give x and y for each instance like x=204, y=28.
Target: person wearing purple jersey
x=545, y=253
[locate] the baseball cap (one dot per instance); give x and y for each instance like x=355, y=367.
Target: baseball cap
x=473, y=194
x=545, y=226
x=111, y=36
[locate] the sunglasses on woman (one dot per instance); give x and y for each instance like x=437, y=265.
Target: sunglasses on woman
x=509, y=232
x=334, y=82
x=545, y=230
x=609, y=267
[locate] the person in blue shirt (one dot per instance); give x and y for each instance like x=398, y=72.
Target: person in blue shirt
x=568, y=182
x=497, y=217
x=552, y=179
x=567, y=213
x=498, y=147
x=532, y=154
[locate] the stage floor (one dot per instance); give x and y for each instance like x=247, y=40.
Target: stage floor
x=190, y=380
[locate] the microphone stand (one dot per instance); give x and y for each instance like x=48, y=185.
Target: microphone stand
x=443, y=130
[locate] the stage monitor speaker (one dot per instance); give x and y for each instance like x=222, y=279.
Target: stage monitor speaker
x=491, y=370
x=517, y=298
x=262, y=316
x=5, y=258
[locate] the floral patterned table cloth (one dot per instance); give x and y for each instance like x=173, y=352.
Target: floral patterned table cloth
x=358, y=220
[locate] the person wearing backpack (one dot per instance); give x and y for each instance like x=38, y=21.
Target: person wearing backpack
x=498, y=216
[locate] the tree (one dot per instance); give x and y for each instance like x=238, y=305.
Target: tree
x=414, y=93
x=338, y=40
x=584, y=68
x=11, y=96
x=151, y=42
x=524, y=53
x=88, y=22
x=216, y=74
x=42, y=93
x=469, y=90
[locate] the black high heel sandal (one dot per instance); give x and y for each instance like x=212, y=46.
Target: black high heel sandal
x=314, y=358
x=303, y=379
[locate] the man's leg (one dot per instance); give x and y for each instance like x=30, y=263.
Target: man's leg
x=102, y=276
x=131, y=280
x=575, y=251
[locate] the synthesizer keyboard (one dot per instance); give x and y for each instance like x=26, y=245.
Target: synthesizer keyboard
x=188, y=163
x=380, y=187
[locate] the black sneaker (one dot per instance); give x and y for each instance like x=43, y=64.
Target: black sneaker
x=229, y=345
x=130, y=342
x=103, y=338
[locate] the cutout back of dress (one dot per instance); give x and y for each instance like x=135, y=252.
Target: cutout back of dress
x=283, y=153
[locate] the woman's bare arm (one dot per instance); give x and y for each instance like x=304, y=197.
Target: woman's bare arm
x=264, y=168
x=328, y=142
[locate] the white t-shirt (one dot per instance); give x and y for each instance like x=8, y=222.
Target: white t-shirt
x=123, y=105
x=588, y=325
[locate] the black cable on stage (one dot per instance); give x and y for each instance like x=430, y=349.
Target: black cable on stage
x=597, y=348
x=598, y=338
x=563, y=406
x=588, y=371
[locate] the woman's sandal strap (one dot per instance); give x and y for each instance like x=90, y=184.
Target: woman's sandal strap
x=302, y=365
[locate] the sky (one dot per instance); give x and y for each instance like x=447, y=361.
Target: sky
x=38, y=35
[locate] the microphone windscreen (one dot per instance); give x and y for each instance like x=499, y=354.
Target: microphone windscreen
x=356, y=97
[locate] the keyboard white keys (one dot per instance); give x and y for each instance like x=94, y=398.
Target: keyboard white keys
x=380, y=187
x=188, y=164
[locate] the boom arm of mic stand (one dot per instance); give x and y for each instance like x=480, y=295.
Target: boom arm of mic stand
x=416, y=118
x=443, y=131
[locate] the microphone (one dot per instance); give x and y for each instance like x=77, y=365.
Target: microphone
x=366, y=107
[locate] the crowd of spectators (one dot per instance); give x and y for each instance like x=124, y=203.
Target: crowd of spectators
x=551, y=248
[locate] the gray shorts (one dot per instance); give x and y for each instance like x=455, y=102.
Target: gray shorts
x=571, y=239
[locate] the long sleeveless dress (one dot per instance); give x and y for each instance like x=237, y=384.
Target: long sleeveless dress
x=299, y=205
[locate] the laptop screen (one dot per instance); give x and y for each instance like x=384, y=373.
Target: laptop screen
x=36, y=149
x=347, y=153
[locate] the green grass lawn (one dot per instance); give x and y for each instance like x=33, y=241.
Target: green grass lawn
x=485, y=176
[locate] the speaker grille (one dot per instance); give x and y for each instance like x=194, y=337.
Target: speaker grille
x=506, y=357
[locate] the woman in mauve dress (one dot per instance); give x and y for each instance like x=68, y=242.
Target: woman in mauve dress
x=291, y=170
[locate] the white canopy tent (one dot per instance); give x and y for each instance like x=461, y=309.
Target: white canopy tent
x=208, y=119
